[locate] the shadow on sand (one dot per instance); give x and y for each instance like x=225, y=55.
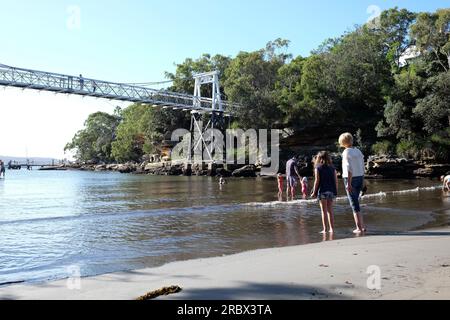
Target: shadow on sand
x=258, y=291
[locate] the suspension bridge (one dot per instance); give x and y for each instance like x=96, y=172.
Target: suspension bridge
x=78, y=85
x=199, y=107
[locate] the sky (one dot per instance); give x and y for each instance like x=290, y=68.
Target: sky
x=137, y=41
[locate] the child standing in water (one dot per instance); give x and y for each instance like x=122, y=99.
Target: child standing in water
x=325, y=189
x=305, y=187
x=280, y=181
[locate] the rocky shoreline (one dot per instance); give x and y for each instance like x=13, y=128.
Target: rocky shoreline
x=377, y=167
x=167, y=168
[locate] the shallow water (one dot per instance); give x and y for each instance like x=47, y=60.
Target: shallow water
x=52, y=223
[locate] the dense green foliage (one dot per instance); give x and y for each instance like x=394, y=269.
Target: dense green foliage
x=357, y=82
x=142, y=131
x=93, y=143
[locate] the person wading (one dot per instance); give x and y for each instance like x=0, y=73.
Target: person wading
x=292, y=178
x=353, y=174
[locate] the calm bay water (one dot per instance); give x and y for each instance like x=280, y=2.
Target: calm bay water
x=51, y=222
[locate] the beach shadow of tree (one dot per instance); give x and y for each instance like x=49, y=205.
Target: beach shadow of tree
x=259, y=291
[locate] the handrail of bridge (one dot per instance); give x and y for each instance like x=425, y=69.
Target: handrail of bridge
x=61, y=83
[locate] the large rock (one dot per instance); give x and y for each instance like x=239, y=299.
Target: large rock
x=153, y=167
x=176, y=170
x=112, y=167
x=100, y=167
x=187, y=169
x=199, y=169
x=391, y=167
x=223, y=173
x=245, y=172
x=87, y=168
x=433, y=170
x=125, y=168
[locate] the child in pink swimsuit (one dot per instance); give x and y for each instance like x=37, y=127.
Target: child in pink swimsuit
x=305, y=187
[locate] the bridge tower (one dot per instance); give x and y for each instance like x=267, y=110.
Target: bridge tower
x=214, y=117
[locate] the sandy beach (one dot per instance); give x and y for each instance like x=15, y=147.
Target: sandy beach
x=412, y=266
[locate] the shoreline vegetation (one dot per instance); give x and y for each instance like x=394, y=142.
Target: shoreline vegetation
x=413, y=265
x=386, y=82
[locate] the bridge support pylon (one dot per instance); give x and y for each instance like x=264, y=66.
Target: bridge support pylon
x=202, y=142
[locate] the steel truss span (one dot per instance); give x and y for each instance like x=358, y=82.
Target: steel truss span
x=66, y=84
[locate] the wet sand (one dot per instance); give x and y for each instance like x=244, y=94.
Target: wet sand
x=413, y=265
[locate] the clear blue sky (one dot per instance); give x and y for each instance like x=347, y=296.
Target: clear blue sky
x=137, y=40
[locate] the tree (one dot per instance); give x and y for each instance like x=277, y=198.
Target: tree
x=434, y=108
x=394, y=30
x=321, y=103
x=417, y=111
x=94, y=142
x=344, y=82
x=182, y=79
x=250, y=82
x=143, y=129
x=130, y=138
x=289, y=91
x=432, y=35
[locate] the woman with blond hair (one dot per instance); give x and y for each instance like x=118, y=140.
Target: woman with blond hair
x=353, y=174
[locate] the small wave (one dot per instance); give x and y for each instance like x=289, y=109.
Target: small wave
x=375, y=195
x=279, y=203
x=406, y=191
x=431, y=188
x=380, y=194
x=416, y=190
x=307, y=201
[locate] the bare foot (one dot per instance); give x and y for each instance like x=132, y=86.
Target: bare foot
x=331, y=231
x=357, y=231
x=323, y=232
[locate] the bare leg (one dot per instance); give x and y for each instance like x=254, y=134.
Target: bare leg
x=359, y=228
x=330, y=215
x=324, y=208
x=361, y=221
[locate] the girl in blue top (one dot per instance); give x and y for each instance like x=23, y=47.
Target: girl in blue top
x=325, y=189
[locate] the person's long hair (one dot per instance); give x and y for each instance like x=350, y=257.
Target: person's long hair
x=323, y=158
